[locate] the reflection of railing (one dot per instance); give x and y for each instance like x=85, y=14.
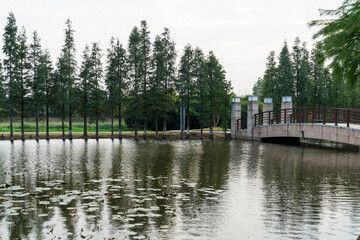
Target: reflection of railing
x=309, y=115
x=241, y=124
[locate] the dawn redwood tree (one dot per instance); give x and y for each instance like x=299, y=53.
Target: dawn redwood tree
x=269, y=80
x=116, y=81
x=217, y=90
x=23, y=74
x=144, y=65
x=185, y=82
x=10, y=50
x=168, y=79
x=47, y=78
x=67, y=73
x=162, y=79
x=156, y=78
x=84, y=85
x=36, y=80
x=301, y=69
x=2, y=91
x=200, y=87
x=134, y=56
x=285, y=77
x=96, y=93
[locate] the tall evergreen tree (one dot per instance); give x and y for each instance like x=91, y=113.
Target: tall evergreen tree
x=96, y=93
x=10, y=50
x=200, y=87
x=47, y=76
x=156, y=96
x=169, y=75
x=67, y=73
x=185, y=83
x=2, y=92
x=134, y=50
x=116, y=80
x=270, y=77
x=301, y=70
x=217, y=90
x=23, y=70
x=36, y=80
x=285, y=78
x=144, y=63
x=85, y=76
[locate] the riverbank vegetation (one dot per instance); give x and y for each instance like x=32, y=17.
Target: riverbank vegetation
x=326, y=75
x=140, y=84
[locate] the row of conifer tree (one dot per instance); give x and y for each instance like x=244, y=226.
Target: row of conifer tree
x=142, y=84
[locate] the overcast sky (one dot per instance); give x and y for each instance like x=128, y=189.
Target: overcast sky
x=240, y=33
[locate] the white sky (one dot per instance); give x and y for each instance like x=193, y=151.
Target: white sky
x=241, y=33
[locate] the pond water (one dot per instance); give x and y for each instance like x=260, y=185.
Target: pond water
x=177, y=190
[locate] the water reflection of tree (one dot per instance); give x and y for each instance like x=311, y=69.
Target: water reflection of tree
x=296, y=182
x=214, y=164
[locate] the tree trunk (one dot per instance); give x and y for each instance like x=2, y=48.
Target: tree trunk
x=120, y=128
x=112, y=122
x=145, y=130
x=37, y=122
x=47, y=119
x=136, y=130
x=63, y=121
x=188, y=122
x=97, y=124
x=11, y=120
x=164, y=128
x=22, y=117
x=201, y=133
x=211, y=136
x=156, y=127
x=70, y=121
x=85, y=123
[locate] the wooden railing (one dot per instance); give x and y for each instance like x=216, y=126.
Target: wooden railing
x=241, y=124
x=309, y=115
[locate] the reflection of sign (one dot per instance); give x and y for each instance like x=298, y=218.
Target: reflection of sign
x=267, y=100
x=253, y=98
x=287, y=99
x=236, y=100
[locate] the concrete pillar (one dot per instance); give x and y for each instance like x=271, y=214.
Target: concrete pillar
x=235, y=114
x=286, y=103
x=268, y=106
x=253, y=108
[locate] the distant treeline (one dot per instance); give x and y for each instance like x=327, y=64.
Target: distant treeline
x=142, y=84
x=303, y=75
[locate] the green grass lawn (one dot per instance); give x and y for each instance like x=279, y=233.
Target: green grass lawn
x=56, y=127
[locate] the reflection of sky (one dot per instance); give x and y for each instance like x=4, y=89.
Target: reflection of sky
x=178, y=190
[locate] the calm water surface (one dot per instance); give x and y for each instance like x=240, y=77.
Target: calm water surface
x=177, y=190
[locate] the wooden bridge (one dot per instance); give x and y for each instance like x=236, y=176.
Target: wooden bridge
x=339, y=125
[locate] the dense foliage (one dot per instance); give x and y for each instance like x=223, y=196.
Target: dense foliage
x=304, y=76
x=140, y=85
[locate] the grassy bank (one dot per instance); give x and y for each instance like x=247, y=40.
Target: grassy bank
x=172, y=135
x=56, y=126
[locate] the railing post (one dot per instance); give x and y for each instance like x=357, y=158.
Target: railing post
x=255, y=120
x=324, y=117
x=348, y=118
x=267, y=107
x=284, y=115
x=336, y=116
x=313, y=116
